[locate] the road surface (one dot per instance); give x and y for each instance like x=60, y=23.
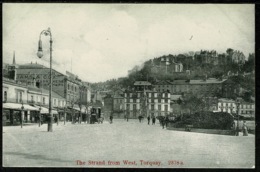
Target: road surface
x=123, y=144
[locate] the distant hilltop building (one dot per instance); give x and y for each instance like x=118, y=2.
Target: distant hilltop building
x=238, y=57
x=167, y=65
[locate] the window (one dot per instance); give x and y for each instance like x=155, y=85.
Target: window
x=75, y=89
x=5, y=96
x=21, y=97
x=54, y=102
x=166, y=108
x=152, y=107
x=68, y=87
x=43, y=100
x=134, y=106
x=31, y=98
x=166, y=100
x=159, y=107
x=58, y=102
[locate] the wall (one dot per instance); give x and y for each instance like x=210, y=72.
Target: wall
x=12, y=91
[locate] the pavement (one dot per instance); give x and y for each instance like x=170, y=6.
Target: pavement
x=123, y=144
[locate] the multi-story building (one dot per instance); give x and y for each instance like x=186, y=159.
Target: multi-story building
x=142, y=85
x=16, y=93
x=246, y=109
x=15, y=105
x=238, y=57
x=146, y=103
x=69, y=86
x=162, y=86
x=114, y=103
x=221, y=87
x=174, y=87
x=167, y=65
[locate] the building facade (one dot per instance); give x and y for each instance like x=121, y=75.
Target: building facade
x=146, y=103
x=210, y=87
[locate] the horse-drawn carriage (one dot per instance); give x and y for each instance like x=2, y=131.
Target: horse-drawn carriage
x=96, y=115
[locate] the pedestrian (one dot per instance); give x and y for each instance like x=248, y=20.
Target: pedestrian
x=148, y=118
x=166, y=121
x=153, y=120
x=245, y=132
x=127, y=118
x=139, y=117
x=55, y=119
x=111, y=119
x=163, y=122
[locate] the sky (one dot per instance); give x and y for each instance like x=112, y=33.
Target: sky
x=99, y=42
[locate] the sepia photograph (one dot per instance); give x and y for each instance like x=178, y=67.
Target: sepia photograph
x=128, y=85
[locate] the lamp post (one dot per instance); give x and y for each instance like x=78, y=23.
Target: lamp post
x=40, y=116
x=237, y=104
x=22, y=115
x=40, y=55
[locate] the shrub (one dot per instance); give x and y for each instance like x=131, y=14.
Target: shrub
x=206, y=120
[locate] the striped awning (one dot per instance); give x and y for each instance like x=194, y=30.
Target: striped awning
x=18, y=106
x=45, y=110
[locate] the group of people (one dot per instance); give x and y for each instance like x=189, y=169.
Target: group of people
x=153, y=120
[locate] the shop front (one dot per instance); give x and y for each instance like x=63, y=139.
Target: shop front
x=15, y=113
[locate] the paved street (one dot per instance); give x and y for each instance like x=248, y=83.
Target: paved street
x=146, y=146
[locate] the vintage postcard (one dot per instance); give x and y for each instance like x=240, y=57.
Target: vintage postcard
x=128, y=85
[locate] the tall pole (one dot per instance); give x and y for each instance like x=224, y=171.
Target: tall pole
x=40, y=54
x=22, y=115
x=50, y=92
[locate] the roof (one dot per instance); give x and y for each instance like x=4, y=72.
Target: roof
x=31, y=66
x=180, y=82
x=13, y=82
x=142, y=83
x=24, y=71
x=118, y=97
x=44, y=91
x=162, y=82
x=208, y=81
x=226, y=100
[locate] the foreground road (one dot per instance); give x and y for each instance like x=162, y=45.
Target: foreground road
x=32, y=146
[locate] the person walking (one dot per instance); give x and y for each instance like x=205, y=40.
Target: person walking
x=163, y=122
x=153, y=120
x=245, y=132
x=111, y=119
x=166, y=121
x=139, y=117
x=148, y=118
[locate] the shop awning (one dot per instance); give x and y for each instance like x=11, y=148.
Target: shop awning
x=18, y=106
x=45, y=110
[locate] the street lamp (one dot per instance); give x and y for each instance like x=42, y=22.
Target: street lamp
x=237, y=104
x=22, y=115
x=40, y=55
x=40, y=116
